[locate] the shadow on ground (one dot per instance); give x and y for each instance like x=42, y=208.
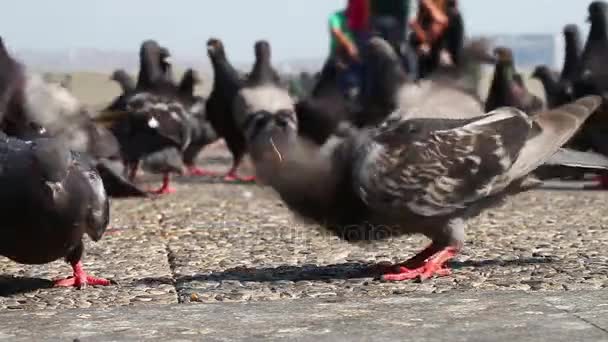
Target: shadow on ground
x=323, y=273
x=17, y=285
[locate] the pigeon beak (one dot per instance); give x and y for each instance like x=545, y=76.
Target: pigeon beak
x=107, y=118
x=168, y=60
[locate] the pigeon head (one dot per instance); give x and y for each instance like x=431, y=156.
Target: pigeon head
x=124, y=80
x=215, y=48
x=598, y=11
x=266, y=132
x=541, y=72
x=189, y=80
x=151, y=71
x=503, y=55
x=118, y=75
x=480, y=50
x=262, y=72
x=69, y=179
x=262, y=50
x=571, y=30
x=97, y=213
x=165, y=60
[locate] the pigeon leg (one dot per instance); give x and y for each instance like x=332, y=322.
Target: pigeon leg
x=133, y=167
x=166, y=187
x=432, y=260
x=194, y=170
x=81, y=279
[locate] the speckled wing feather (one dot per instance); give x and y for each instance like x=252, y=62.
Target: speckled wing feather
x=557, y=126
x=433, y=173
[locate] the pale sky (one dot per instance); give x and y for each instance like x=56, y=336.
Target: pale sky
x=296, y=28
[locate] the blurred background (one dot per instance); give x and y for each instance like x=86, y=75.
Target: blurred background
x=88, y=39
x=86, y=35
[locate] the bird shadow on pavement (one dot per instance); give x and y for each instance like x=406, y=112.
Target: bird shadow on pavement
x=208, y=180
x=17, y=285
x=338, y=271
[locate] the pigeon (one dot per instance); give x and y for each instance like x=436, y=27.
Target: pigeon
x=154, y=71
x=320, y=114
x=41, y=109
x=440, y=97
x=153, y=123
x=165, y=162
x=226, y=84
x=202, y=132
x=406, y=176
x=506, y=89
x=384, y=77
x=262, y=95
x=592, y=77
x=573, y=50
x=153, y=117
x=557, y=91
x=12, y=79
x=51, y=198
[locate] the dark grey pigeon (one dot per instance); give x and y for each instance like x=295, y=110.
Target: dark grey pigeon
x=557, y=91
x=152, y=123
x=421, y=175
x=320, y=114
x=202, y=132
x=507, y=88
x=262, y=98
x=51, y=198
x=166, y=162
x=573, y=50
x=154, y=70
x=219, y=107
x=441, y=96
x=41, y=109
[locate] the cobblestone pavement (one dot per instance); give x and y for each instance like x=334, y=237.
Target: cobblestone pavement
x=214, y=242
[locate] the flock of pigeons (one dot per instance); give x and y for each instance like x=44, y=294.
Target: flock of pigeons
x=404, y=157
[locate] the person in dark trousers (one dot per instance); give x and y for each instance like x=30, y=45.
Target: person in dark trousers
x=389, y=20
x=349, y=31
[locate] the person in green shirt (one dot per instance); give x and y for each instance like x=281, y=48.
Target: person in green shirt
x=349, y=31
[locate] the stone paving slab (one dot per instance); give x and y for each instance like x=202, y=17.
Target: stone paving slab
x=477, y=316
x=214, y=242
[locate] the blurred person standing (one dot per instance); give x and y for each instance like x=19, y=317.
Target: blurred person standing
x=428, y=28
x=389, y=20
x=349, y=31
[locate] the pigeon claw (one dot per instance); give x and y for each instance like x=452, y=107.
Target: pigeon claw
x=164, y=190
x=233, y=177
x=81, y=279
x=434, y=266
x=197, y=171
x=422, y=273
